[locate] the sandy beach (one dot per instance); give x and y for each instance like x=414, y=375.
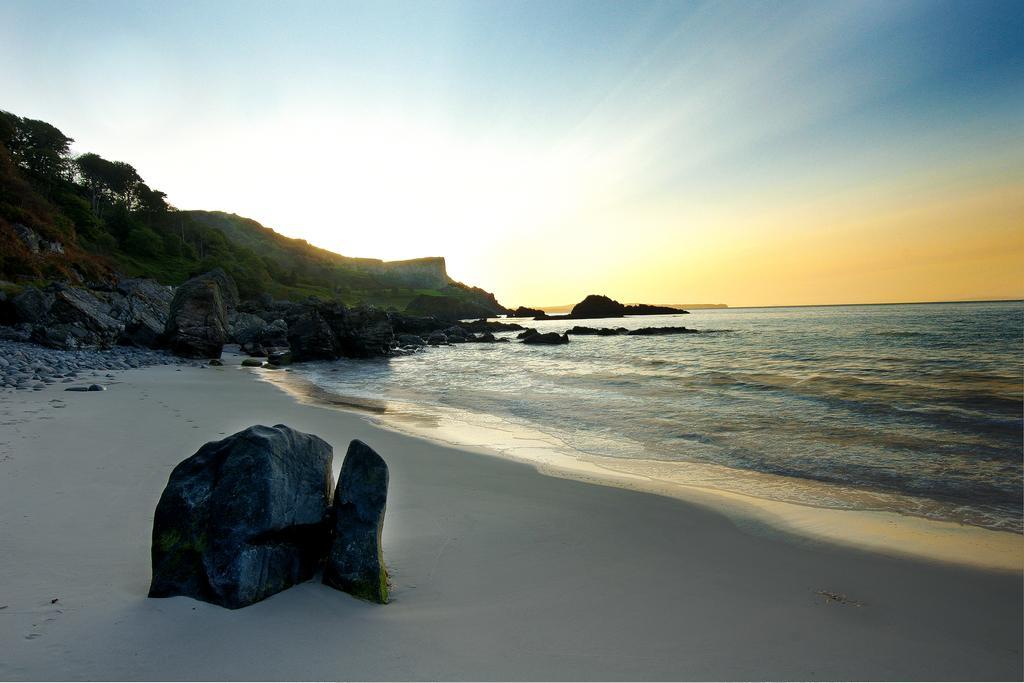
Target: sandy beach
x=499, y=572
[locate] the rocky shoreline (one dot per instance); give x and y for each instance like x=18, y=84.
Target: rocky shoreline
x=53, y=334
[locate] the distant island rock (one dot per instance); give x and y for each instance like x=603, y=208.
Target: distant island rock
x=524, y=312
x=599, y=306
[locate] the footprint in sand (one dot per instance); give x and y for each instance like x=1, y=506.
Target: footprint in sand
x=51, y=613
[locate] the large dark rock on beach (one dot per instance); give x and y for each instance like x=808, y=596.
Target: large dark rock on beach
x=77, y=318
x=363, y=332
x=311, y=338
x=355, y=563
x=197, y=325
x=243, y=518
x=143, y=307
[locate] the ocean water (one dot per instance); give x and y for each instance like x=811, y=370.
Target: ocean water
x=916, y=409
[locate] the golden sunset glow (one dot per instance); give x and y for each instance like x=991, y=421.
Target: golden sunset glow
x=813, y=155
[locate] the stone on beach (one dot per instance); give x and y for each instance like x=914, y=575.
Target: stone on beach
x=244, y=518
x=355, y=563
x=198, y=321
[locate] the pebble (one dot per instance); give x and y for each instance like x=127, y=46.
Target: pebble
x=25, y=365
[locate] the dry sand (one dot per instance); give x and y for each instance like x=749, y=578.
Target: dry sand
x=499, y=571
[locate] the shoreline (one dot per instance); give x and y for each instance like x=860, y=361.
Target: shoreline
x=881, y=531
x=499, y=572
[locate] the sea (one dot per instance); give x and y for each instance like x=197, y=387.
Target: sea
x=911, y=408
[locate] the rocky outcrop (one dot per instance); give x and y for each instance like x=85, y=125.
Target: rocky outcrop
x=414, y=340
x=415, y=324
x=32, y=305
x=311, y=338
x=245, y=328
x=651, y=331
x=76, y=319
x=197, y=324
x=546, y=338
x=597, y=331
x=319, y=330
x=600, y=306
x=355, y=562
x=243, y=518
x=448, y=308
x=490, y=326
x=133, y=313
x=34, y=242
x=524, y=312
x=142, y=306
x=363, y=332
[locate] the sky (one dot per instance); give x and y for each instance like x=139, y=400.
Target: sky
x=748, y=153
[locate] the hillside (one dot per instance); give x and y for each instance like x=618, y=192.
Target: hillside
x=85, y=219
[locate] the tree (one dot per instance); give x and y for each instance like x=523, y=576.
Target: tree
x=150, y=202
x=144, y=242
x=38, y=147
x=116, y=182
x=95, y=173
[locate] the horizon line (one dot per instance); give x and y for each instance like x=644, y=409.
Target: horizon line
x=872, y=303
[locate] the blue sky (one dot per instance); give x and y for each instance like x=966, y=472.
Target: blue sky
x=472, y=129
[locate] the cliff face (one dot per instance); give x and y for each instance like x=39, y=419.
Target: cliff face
x=62, y=219
x=422, y=273
x=366, y=280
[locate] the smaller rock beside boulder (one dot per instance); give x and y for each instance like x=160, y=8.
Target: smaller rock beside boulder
x=355, y=563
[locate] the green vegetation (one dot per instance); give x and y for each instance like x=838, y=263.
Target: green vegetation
x=95, y=217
